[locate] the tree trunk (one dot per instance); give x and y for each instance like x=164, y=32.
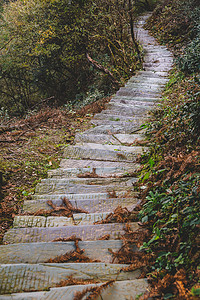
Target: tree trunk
x=132, y=29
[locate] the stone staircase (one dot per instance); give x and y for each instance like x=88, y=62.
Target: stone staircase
x=108, y=153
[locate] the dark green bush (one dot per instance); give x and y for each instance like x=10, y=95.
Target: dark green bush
x=189, y=62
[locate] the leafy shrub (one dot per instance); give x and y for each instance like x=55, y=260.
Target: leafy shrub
x=189, y=62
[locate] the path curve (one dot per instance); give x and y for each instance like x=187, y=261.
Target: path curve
x=107, y=153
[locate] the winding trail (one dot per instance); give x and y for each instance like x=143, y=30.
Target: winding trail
x=109, y=150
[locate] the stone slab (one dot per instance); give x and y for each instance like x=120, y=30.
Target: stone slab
x=117, y=139
x=40, y=221
x=87, y=163
x=138, y=93
x=128, y=111
x=104, y=152
x=120, y=290
x=96, y=138
x=116, y=117
x=128, y=101
x=74, y=172
x=83, y=185
x=157, y=85
x=133, y=87
x=114, y=129
x=148, y=80
x=85, y=232
x=33, y=253
x=132, y=98
x=153, y=74
x=29, y=277
x=131, y=104
x=90, y=205
x=78, y=197
x=128, y=126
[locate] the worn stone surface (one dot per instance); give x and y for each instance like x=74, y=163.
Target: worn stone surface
x=90, y=205
x=104, y=152
x=129, y=125
x=75, y=197
x=63, y=186
x=113, y=129
x=85, y=163
x=138, y=110
x=120, y=290
x=29, y=221
x=73, y=172
x=130, y=104
x=116, y=117
x=28, y=277
x=85, y=232
x=33, y=253
x=40, y=221
x=96, y=138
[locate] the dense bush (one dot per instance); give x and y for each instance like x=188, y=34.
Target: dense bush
x=189, y=62
x=44, y=46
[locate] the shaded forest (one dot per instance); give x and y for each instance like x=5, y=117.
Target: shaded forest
x=66, y=52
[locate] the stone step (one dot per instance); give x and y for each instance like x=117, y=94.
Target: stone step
x=131, y=104
x=86, y=196
x=132, y=98
x=96, y=138
x=145, y=82
x=103, y=152
x=153, y=74
x=133, y=86
x=109, y=172
x=29, y=277
x=84, y=163
x=127, y=111
x=159, y=67
x=138, y=93
x=89, y=205
x=115, y=129
x=117, y=139
x=148, y=80
x=52, y=221
x=83, y=185
x=129, y=125
x=117, y=117
x=34, y=253
x=129, y=101
x=48, y=234
x=120, y=290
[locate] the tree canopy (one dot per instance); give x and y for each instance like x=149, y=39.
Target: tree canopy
x=45, y=47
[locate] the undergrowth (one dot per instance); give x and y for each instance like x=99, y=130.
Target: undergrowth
x=32, y=145
x=171, y=170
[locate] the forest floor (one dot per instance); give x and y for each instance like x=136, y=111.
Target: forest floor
x=30, y=147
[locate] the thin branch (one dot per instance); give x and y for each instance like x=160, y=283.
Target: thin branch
x=99, y=67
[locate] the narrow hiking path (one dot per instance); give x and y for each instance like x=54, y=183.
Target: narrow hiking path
x=94, y=177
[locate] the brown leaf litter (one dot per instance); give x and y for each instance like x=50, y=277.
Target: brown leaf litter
x=76, y=256
x=73, y=281
x=92, y=293
x=66, y=209
x=120, y=215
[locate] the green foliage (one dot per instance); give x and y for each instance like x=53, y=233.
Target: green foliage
x=44, y=46
x=176, y=219
x=172, y=175
x=189, y=62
